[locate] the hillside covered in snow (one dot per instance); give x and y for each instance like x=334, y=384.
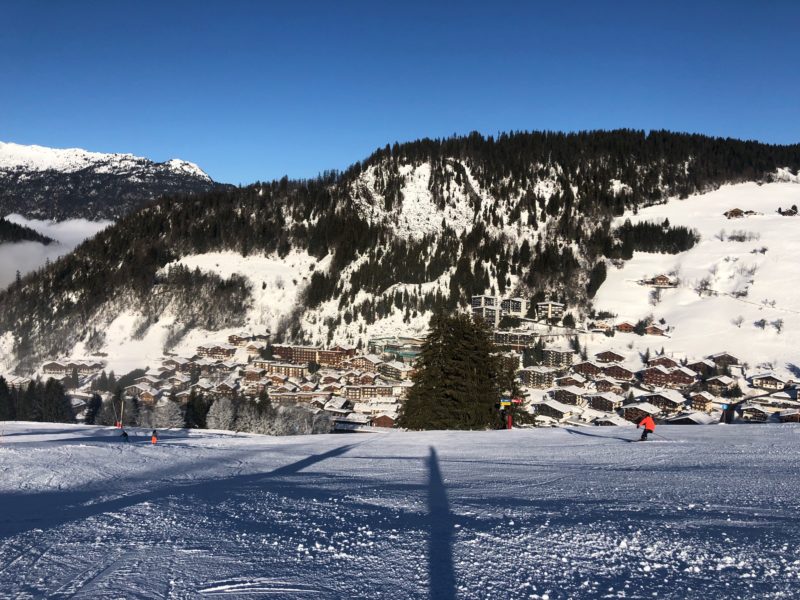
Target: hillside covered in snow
x=372, y=251
x=59, y=184
x=738, y=288
x=703, y=512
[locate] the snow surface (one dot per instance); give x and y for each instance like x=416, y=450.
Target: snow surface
x=275, y=283
x=704, y=512
x=69, y=160
x=706, y=324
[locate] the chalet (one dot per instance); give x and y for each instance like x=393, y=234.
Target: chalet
x=396, y=370
x=681, y=377
x=337, y=406
x=723, y=360
x=554, y=409
x=345, y=349
x=618, y=372
x=606, y=401
x=254, y=374
x=149, y=381
x=702, y=401
x=664, y=361
x=366, y=362
x=16, y=382
x=604, y=384
x=334, y=357
x=634, y=412
x=569, y=395
x=277, y=378
x=734, y=213
x=719, y=384
x=703, y=366
x=255, y=348
x=557, y=357
x=55, y=367
x=366, y=379
x=662, y=281
x=216, y=351
x=692, y=418
x=669, y=401
x=588, y=368
x=611, y=420
x=657, y=376
x=227, y=388
x=600, y=327
x=243, y=337
x=287, y=369
x=359, y=392
x=585, y=415
x=352, y=422
x=574, y=380
x=607, y=356
x=377, y=406
x=789, y=416
x=204, y=366
x=538, y=377
x=768, y=381
x=755, y=413
x=149, y=396
x=654, y=329
x=625, y=327
x=384, y=420
x=549, y=310
x=87, y=367
x=308, y=386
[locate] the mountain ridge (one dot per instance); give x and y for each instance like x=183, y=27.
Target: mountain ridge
x=58, y=184
x=412, y=229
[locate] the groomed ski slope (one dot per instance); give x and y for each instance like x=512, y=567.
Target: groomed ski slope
x=548, y=513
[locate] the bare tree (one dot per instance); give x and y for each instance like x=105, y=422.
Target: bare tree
x=738, y=321
x=703, y=286
x=778, y=325
x=655, y=296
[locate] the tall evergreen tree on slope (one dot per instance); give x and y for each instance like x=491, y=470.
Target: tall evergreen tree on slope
x=456, y=384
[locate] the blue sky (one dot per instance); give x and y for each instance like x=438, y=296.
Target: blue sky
x=255, y=90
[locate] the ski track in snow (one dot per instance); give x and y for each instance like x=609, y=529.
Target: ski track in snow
x=711, y=512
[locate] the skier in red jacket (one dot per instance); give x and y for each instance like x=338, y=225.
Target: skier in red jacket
x=649, y=426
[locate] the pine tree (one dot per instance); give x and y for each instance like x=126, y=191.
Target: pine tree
x=6, y=406
x=457, y=379
x=93, y=408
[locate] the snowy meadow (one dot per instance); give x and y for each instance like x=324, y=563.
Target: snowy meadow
x=703, y=512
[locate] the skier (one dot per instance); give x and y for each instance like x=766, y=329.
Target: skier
x=124, y=436
x=648, y=424
x=154, y=438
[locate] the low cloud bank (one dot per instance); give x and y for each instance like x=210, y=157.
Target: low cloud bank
x=28, y=256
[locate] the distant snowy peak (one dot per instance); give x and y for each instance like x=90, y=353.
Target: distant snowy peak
x=186, y=167
x=71, y=183
x=17, y=157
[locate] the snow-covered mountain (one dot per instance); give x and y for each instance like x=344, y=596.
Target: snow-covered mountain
x=58, y=184
x=371, y=251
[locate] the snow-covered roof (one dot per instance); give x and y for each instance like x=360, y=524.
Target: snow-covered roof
x=644, y=407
